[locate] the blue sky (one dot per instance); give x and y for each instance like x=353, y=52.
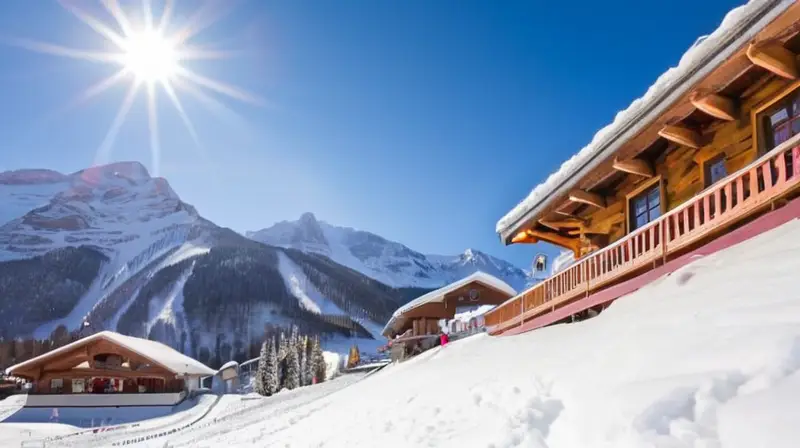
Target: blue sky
x=422, y=121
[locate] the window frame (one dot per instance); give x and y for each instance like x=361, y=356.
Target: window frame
x=758, y=113
x=706, y=165
x=656, y=182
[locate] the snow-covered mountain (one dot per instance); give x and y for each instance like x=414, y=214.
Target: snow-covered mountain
x=112, y=246
x=387, y=261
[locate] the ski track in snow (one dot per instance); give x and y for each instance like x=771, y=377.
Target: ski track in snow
x=302, y=288
x=169, y=308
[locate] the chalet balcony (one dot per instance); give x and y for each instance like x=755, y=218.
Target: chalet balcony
x=731, y=202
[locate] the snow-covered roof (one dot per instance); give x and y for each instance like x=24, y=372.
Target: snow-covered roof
x=229, y=365
x=161, y=354
x=738, y=27
x=438, y=294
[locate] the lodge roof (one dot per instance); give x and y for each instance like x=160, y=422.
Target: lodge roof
x=438, y=294
x=738, y=27
x=167, y=357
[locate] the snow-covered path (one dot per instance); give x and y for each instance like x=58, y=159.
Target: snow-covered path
x=707, y=357
x=236, y=416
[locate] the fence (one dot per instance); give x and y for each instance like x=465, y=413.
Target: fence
x=729, y=201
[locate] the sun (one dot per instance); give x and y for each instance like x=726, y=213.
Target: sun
x=150, y=57
x=153, y=54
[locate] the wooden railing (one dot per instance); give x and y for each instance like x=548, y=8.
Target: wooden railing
x=721, y=205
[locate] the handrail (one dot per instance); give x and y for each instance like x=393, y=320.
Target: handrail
x=730, y=198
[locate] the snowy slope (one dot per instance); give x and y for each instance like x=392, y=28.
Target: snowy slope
x=706, y=357
x=301, y=287
x=386, y=261
x=140, y=249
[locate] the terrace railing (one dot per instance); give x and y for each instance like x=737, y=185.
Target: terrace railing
x=731, y=199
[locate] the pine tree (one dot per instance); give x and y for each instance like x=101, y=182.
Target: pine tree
x=292, y=374
x=261, y=372
x=319, y=362
x=283, y=350
x=283, y=346
x=271, y=370
x=308, y=366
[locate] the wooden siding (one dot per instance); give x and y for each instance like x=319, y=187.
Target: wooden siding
x=727, y=79
x=763, y=185
x=680, y=169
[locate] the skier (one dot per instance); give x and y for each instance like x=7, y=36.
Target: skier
x=443, y=339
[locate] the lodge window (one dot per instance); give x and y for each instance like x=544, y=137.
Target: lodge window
x=645, y=207
x=714, y=170
x=56, y=385
x=781, y=121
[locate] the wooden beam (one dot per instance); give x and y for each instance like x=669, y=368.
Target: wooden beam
x=586, y=197
x=561, y=224
x=568, y=214
x=682, y=136
x=774, y=57
x=574, y=244
x=717, y=106
x=524, y=238
x=634, y=166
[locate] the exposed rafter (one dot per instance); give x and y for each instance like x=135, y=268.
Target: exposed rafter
x=536, y=236
x=634, y=166
x=682, y=136
x=574, y=244
x=568, y=214
x=774, y=57
x=586, y=197
x=716, y=105
x=524, y=238
x=562, y=224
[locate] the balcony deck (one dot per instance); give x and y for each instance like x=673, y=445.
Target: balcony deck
x=730, y=203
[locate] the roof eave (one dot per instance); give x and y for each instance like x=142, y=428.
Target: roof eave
x=739, y=37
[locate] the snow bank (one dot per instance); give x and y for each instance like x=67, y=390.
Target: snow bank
x=333, y=364
x=706, y=357
x=671, y=80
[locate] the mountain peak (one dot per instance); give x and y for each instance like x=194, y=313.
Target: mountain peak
x=30, y=177
x=308, y=217
x=472, y=253
x=131, y=170
x=384, y=260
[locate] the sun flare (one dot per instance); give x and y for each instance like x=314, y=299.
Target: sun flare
x=150, y=57
x=150, y=54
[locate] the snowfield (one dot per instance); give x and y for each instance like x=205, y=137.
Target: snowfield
x=708, y=356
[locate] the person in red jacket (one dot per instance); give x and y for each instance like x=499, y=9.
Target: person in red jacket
x=443, y=339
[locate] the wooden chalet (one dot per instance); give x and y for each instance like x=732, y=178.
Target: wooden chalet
x=417, y=324
x=110, y=369
x=711, y=148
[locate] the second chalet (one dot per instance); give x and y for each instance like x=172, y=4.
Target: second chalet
x=696, y=163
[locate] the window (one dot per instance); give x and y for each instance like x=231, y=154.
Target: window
x=714, y=170
x=56, y=385
x=645, y=207
x=781, y=121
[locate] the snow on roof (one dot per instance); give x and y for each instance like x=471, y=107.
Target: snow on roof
x=738, y=27
x=438, y=294
x=161, y=354
x=228, y=365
